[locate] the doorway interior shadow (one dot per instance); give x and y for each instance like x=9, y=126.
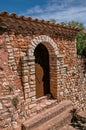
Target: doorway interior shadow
x=42, y=59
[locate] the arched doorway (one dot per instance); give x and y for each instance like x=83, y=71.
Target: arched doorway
x=42, y=70
x=51, y=55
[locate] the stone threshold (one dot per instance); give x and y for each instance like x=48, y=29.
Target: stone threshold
x=43, y=103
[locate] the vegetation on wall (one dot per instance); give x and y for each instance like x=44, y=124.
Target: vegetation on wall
x=10, y=88
x=15, y=101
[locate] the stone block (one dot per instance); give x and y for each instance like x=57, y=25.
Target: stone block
x=26, y=90
x=26, y=87
x=26, y=95
x=15, y=116
x=1, y=106
x=14, y=125
x=26, y=84
x=25, y=79
x=32, y=77
x=10, y=50
x=32, y=105
x=32, y=94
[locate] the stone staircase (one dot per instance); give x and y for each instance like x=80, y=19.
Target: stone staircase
x=54, y=117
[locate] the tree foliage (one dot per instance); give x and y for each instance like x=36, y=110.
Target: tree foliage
x=81, y=43
x=76, y=24
x=81, y=38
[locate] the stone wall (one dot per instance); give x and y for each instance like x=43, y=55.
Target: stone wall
x=66, y=53
x=11, y=92
x=69, y=72
x=17, y=74
x=80, y=93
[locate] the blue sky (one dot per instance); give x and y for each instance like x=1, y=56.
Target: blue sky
x=61, y=10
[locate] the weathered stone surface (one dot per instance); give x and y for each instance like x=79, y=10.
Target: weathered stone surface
x=14, y=124
x=15, y=116
x=1, y=107
x=31, y=94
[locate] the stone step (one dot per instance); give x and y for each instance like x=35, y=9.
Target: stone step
x=38, y=100
x=43, y=105
x=57, y=122
x=49, y=114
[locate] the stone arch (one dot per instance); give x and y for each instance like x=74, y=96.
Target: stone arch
x=41, y=39
x=53, y=52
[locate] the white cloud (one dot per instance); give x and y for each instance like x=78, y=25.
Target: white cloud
x=36, y=9
x=62, y=11
x=53, y=5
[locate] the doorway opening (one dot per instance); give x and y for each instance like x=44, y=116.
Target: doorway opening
x=42, y=70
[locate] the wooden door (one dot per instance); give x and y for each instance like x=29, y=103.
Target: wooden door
x=39, y=80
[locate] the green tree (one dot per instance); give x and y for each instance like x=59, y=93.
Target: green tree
x=81, y=38
x=76, y=24
x=81, y=43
